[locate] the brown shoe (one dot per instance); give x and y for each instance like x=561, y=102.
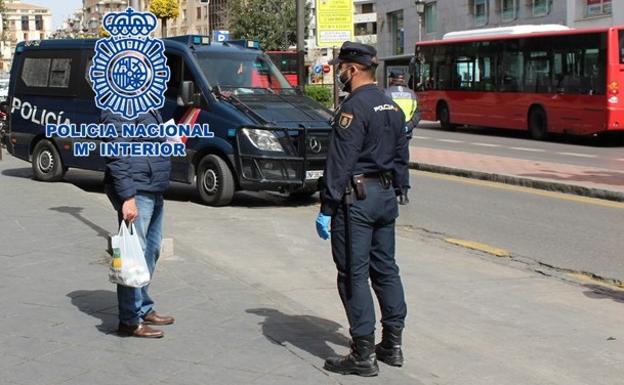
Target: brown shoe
x=140, y=330
x=153, y=318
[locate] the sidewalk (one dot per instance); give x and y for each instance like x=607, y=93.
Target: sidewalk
x=253, y=291
x=593, y=182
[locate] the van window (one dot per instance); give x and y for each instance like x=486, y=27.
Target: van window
x=36, y=71
x=46, y=72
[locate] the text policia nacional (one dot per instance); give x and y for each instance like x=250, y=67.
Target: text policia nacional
x=171, y=133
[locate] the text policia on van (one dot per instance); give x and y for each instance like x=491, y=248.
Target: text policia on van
x=175, y=136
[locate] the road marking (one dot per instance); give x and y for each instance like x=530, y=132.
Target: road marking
x=450, y=140
x=589, y=279
x=496, y=251
x=421, y=137
x=527, y=149
x=527, y=190
x=577, y=154
x=485, y=144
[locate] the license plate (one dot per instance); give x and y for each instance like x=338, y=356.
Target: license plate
x=314, y=174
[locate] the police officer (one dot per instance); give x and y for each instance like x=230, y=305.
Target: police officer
x=407, y=101
x=367, y=155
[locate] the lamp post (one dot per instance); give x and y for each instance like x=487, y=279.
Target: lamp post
x=420, y=10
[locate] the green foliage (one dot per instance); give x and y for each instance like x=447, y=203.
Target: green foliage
x=165, y=9
x=321, y=94
x=271, y=22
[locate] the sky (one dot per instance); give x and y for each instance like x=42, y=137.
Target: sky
x=60, y=8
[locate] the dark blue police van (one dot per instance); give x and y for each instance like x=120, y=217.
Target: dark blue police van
x=268, y=136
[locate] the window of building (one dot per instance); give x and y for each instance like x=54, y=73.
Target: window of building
x=199, y=12
x=184, y=14
x=540, y=7
x=431, y=18
x=362, y=29
x=25, y=26
x=509, y=10
x=368, y=8
x=481, y=11
x=597, y=7
x=397, y=32
x=39, y=23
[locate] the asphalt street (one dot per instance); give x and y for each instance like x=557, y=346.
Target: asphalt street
x=560, y=230
x=604, y=152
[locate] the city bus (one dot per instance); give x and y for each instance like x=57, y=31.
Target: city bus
x=286, y=62
x=543, y=79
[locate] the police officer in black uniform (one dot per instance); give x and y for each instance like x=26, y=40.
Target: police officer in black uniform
x=367, y=157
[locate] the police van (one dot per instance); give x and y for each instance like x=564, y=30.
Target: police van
x=267, y=135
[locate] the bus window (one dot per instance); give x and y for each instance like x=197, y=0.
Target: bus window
x=512, y=71
x=622, y=46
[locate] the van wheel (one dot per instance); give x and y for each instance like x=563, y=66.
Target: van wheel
x=444, y=116
x=47, y=165
x=215, y=182
x=538, y=124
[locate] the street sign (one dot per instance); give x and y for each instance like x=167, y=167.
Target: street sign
x=220, y=35
x=318, y=68
x=334, y=22
x=326, y=69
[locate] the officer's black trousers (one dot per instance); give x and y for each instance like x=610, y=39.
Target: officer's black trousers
x=372, y=229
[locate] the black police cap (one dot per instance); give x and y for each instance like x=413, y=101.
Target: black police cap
x=394, y=74
x=352, y=52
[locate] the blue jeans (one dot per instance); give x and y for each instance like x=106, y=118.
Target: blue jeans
x=135, y=303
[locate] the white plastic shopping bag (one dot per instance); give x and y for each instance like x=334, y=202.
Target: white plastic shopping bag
x=128, y=267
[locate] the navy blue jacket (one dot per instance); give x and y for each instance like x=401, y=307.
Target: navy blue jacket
x=128, y=175
x=367, y=137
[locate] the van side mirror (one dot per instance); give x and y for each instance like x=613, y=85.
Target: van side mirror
x=4, y=107
x=187, y=96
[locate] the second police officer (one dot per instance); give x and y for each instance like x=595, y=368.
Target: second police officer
x=407, y=101
x=366, y=160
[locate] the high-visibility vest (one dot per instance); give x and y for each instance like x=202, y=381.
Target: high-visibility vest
x=405, y=98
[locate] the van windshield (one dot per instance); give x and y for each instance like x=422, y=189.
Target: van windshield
x=241, y=72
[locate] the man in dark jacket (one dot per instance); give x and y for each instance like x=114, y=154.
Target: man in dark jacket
x=135, y=187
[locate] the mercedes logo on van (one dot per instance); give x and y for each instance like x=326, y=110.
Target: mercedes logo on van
x=315, y=145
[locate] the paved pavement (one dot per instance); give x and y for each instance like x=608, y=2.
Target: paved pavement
x=253, y=291
x=552, y=166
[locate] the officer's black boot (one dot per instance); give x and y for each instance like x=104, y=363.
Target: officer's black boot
x=389, y=349
x=360, y=361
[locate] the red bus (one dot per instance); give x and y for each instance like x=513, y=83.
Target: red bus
x=286, y=62
x=566, y=81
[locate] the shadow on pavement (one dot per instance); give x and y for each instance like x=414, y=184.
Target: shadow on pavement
x=76, y=213
x=602, y=292
x=98, y=304
x=24, y=172
x=93, y=181
x=308, y=333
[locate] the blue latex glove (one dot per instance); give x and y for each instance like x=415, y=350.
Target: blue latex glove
x=322, y=226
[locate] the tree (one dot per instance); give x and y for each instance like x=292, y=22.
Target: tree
x=164, y=10
x=271, y=22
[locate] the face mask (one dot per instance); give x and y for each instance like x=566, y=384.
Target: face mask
x=343, y=81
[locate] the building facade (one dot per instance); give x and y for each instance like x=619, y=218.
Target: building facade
x=594, y=13
x=399, y=27
x=24, y=22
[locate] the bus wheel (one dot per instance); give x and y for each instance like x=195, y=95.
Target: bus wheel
x=47, y=165
x=444, y=116
x=538, y=124
x=215, y=182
